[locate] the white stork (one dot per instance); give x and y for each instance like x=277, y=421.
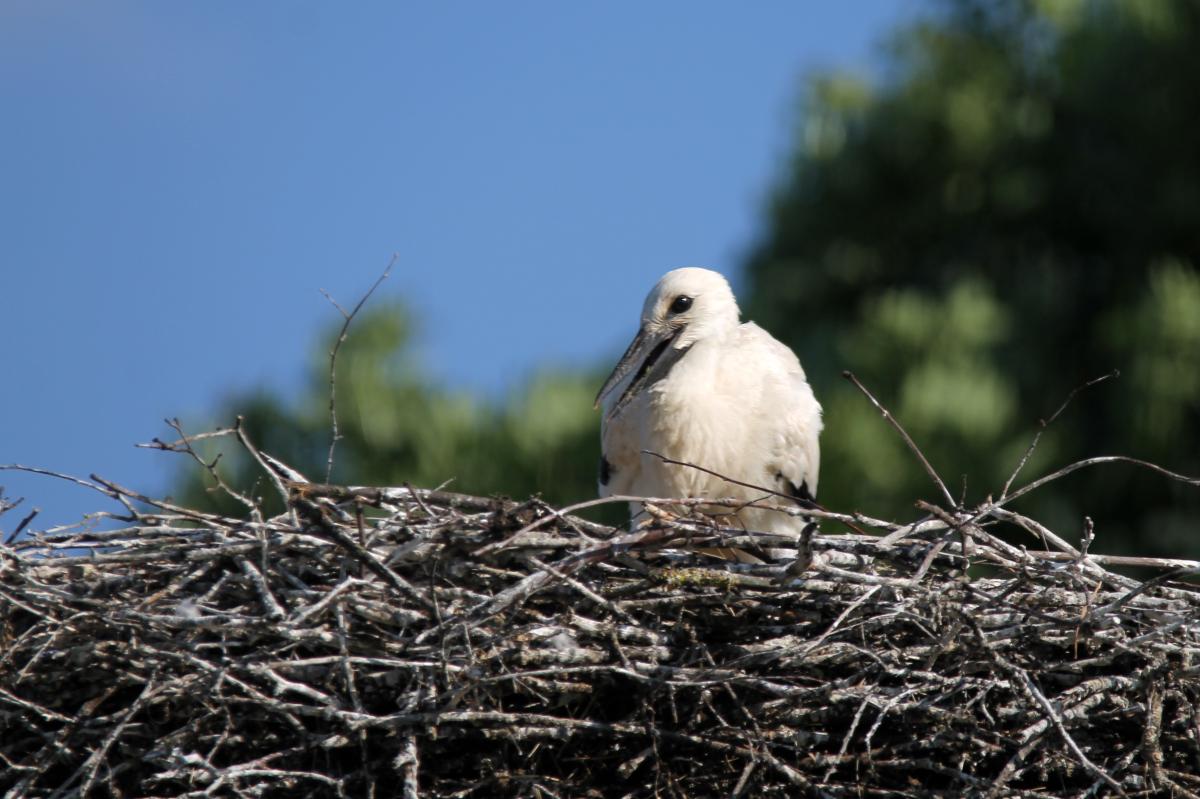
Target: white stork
x=696, y=385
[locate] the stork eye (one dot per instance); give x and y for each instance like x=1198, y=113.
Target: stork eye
x=681, y=304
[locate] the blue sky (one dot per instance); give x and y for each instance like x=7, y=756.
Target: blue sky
x=177, y=181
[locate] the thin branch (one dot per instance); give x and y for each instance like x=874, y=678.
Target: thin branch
x=929, y=470
x=1074, y=467
x=1044, y=423
x=239, y=430
x=17, y=467
x=337, y=345
x=807, y=504
x=1027, y=683
x=184, y=445
x=179, y=444
x=22, y=525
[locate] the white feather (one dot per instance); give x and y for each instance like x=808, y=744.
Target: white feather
x=736, y=403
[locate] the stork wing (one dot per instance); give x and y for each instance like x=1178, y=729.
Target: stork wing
x=795, y=447
x=620, y=456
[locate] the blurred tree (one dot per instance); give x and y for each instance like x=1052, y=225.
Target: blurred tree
x=1015, y=211
x=398, y=428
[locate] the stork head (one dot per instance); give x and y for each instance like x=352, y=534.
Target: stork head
x=685, y=306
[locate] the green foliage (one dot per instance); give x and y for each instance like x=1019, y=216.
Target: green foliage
x=398, y=428
x=1015, y=213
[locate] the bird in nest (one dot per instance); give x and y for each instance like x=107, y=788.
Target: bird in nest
x=700, y=387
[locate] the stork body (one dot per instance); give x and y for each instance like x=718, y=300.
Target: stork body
x=698, y=386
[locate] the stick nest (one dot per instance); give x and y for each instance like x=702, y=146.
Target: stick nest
x=380, y=642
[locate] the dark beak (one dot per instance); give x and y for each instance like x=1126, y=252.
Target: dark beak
x=652, y=355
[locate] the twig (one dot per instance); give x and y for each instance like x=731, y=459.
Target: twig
x=239, y=430
x=270, y=603
x=1074, y=467
x=92, y=765
x=807, y=504
x=16, y=467
x=317, y=516
x=6, y=505
x=1044, y=423
x=933, y=475
x=408, y=764
x=184, y=445
x=333, y=353
x=21, y=525
x=1039, y=697
x=179, y=444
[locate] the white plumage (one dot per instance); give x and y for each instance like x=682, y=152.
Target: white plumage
x=698, y=386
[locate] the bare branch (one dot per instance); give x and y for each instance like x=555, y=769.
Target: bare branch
x=184, y=445
x=1044, y=423
x=1083, y=464
x=333, y=353
x=929, y=470
x=16, y=467
x=239, y=429
x=22, y=525
x=808, y=504
x=180, y=444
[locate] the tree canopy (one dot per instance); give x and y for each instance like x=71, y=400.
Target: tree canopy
x=1015, y=213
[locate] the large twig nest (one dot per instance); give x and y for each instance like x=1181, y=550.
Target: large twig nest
x=382, y=641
